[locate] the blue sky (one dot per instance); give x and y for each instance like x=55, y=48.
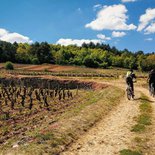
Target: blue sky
x=112, y=22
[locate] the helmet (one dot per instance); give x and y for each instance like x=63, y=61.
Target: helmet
x=131, y=70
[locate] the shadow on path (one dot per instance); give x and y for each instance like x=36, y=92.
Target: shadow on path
x=143, y=99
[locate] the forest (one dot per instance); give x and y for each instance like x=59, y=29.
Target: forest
x=89, y=55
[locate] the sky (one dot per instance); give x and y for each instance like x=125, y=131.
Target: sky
x=121, y=23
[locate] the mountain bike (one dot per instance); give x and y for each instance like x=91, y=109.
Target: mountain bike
x=129, y=93
x=152, y=89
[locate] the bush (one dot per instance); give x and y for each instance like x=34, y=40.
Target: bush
x=90, y=62
x=35, y=61
x=104, y=65
x=9, y=65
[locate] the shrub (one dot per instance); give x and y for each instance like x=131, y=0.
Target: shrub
x=35, y=61
x=9, y=65
x=104, y=65
x=90, y=62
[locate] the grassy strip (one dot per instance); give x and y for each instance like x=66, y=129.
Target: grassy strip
x=53, y=139
x=143, y=121
x=129, y=152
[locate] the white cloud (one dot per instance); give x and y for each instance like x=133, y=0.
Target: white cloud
x=97, y=6
x=147, y=19
x=117, y=34
x=150, y=29
x=111, y=18
x=149, y=39
x=124, y=1
x=3, y=32
x=103, y=37
x=12, y=37
x=77, y=42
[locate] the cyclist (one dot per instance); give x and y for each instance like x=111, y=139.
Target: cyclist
x=151, y=79
x=129, y=79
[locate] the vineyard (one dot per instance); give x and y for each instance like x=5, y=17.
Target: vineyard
x=18, y=96
x=31, y=105
x=44, y=112
x=23, y=101
x=71, y=74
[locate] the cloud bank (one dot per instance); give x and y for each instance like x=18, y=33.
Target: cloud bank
x=77, y=42
x=13, y=37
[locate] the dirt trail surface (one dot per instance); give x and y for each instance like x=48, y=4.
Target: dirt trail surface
x=112, y=134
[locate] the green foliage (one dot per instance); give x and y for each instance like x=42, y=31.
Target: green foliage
x=41, y=52
x=89, y=55
x=90, y=62
x=7, y=51
x=104, y=65
x=22, y=54
x=9, y=65
x=35, y=61
x=117, y=61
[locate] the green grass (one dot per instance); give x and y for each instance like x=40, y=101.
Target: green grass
x=144, y=119
x=145, y=107
x=129, y=152
x=138, y=128
x=44, y=137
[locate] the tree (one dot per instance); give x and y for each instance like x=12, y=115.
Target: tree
x=8, y=52
x=42, y=52
x=22, y=53
x=90, y=62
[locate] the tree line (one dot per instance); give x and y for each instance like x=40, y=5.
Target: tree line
x=89, y=55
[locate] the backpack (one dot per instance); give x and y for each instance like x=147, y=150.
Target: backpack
x=129, y=74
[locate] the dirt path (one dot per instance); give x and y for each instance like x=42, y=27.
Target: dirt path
x=110, y=135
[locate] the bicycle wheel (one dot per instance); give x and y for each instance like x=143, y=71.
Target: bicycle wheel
x=152, y=91
x=129, y=95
